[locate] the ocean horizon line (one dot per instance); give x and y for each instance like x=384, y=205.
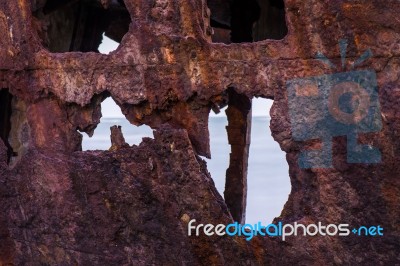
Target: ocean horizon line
x=255, y=116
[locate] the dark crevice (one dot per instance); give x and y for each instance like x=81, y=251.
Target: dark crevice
x=5, y=120
x=272, y=22
x=216, y=24
x=79, y=25
x=75, y=28
x=240, y=21
x=243, y=15
x=53, y=5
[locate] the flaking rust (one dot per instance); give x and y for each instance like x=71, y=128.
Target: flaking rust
x=62, y=206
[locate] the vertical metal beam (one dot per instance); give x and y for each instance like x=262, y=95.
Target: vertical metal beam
x=243, y=15
x=239, y=135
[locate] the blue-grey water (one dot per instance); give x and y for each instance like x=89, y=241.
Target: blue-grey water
x=268, y=177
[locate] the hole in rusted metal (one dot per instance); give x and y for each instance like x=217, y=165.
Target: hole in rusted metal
x=220, y=148
x=114, y=123
x=268, y=184
x=79, y=25
x=263, y=191
x=107, y=45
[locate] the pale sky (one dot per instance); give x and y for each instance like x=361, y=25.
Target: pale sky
x=261, y=106
x=107, y=45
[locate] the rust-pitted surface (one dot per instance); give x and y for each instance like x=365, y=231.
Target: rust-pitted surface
x=62, y=206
